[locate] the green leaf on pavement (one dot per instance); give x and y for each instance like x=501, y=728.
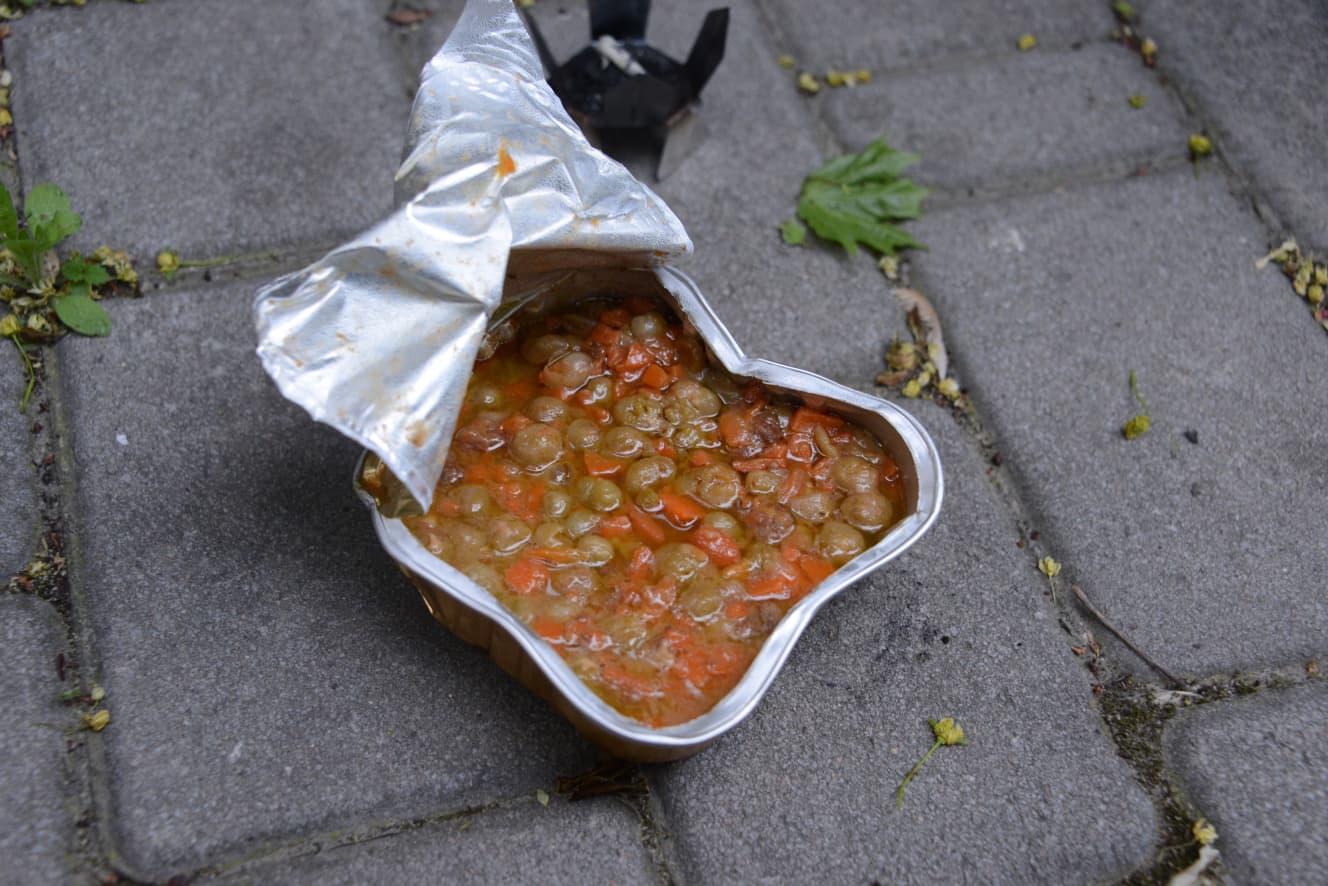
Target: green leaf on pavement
x=80, y=313
x=49, y=217
x=44, y=201
x=793, y=232
x=59, y=226
x=76, y=270
x=858, y=198
x=8, y=215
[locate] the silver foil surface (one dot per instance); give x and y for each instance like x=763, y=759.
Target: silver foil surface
x=498, y=185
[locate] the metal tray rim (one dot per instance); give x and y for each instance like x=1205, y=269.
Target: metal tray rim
x=743, y=698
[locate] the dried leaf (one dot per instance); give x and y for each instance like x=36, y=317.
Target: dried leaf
x=611, y=778
x=1190, y=876
x=926, y=326
x=405, y=16
x=1287, y=250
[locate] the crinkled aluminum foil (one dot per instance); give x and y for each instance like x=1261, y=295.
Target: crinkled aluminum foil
x=378, y=337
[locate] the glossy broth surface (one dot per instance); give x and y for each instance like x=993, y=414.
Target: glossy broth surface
x=644, y=512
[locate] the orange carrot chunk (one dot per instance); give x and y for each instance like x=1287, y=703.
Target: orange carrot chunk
x=646, y=526
x=718, y=544
x=816, y=569
x=806, y=420
x=615, y=526
x=656, y=377
x=681, y=511
x=548, y=628
x=601, y=465
x=526, y=577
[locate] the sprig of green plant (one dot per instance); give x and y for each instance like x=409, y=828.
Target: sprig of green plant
x=43, y=297
x=1137, y=425
x=169, y=261
x=948, y=733
x=30, y=373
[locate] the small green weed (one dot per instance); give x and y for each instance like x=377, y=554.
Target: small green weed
x=44, y=297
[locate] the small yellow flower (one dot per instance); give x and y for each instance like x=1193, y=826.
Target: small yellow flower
x=902, y=355
x=9, y=326
x=862, y=75
x=889, y=266
x=1137, y=101
x=947, y=734
x=98, y=721
x=947, y=731
x=835, y=78
x=1321, y=275
x=808, y=83
x=168, y=262
x=948, y=388
x=1135, y=427
x=1315, y=294
x=923, y=379
x=1049, y=567
x=97, y=694
x=1027, y=42
x=1200, y=146
x=1148, y=49
x=786, y=61
x=6, y=118
x=912, y=389
x=1204, y=832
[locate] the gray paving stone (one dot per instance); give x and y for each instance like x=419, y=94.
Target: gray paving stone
x=273, y=672
x=588, y=841
x=18, y=497
x=1199, y=551
x=1257, y=72
x=1023, y=116
x=805, y=790
x=1255, y=768
x=214, y=128
x=35, y=829
x=863, y=34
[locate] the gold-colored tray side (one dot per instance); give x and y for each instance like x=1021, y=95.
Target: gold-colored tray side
x=479, y=630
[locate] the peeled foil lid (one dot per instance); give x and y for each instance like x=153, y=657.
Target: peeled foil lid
x=378, y=338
